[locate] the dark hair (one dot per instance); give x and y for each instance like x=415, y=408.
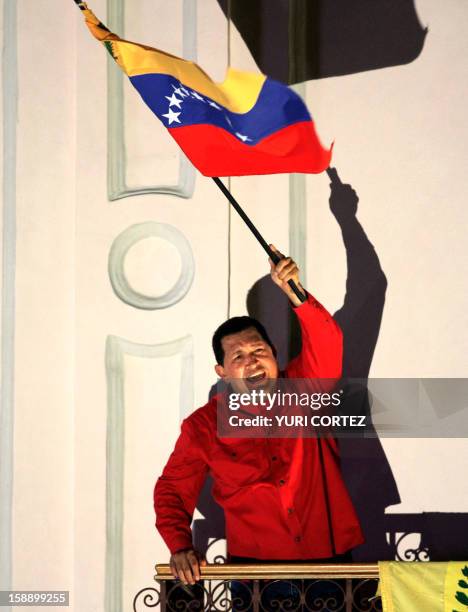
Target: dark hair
x=234, y=326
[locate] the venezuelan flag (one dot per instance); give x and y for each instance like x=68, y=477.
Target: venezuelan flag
x=249, y=124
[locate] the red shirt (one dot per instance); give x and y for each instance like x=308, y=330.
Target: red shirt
x=271, y=489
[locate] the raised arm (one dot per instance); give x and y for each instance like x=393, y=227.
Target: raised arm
x=321, y=355
x=175, y=496
x=322, y=340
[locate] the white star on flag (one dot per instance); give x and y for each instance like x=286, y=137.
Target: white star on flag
x=197, y=96
x=242, y=137
x=173, y=100
x=179, y=92
x=211, y=103
x=172, y=116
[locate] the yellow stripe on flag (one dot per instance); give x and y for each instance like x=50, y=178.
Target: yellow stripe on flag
x=238, y=92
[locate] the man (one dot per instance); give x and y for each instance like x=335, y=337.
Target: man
x=273, y=490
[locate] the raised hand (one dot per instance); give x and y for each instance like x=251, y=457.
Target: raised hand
x=286, y=269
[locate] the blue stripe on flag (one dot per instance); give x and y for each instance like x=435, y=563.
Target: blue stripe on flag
x=176, y=106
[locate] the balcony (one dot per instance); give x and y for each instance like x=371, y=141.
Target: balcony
x=273, y=587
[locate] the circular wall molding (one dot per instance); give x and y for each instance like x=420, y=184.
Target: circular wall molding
x=125, y=241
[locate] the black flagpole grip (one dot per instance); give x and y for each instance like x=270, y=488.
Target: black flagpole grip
x=275, y=258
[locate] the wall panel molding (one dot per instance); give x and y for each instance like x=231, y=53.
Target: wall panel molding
x=116, y=350
x=9, y=120
x=298, y=210
x=131, y=236
x=118, y=119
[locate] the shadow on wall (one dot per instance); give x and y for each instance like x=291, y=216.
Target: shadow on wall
x=365, y=467
x=322, y=38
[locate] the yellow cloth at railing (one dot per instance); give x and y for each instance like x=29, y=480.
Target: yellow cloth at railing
x=424, y=587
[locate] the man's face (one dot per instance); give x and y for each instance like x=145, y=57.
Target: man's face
x=249, y=362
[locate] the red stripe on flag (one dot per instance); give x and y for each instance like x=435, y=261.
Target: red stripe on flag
x=215, y=152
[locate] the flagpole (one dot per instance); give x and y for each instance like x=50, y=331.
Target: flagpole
x=275, y=258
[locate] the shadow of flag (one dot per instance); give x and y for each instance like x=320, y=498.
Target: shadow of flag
x=315, y=39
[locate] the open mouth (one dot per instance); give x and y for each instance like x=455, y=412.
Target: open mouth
x=256, y=380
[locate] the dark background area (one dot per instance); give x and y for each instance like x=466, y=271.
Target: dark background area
x=298, y=40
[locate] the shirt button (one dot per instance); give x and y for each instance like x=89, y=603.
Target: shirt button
x=282, y=482
x=290, y=510
x=297, y=539
x=233, y=454
x=274, y=458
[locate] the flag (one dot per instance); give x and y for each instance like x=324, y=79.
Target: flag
x=424, y=587
x=248, y=124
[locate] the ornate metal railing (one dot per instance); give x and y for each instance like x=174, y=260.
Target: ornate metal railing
x=273, y=587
